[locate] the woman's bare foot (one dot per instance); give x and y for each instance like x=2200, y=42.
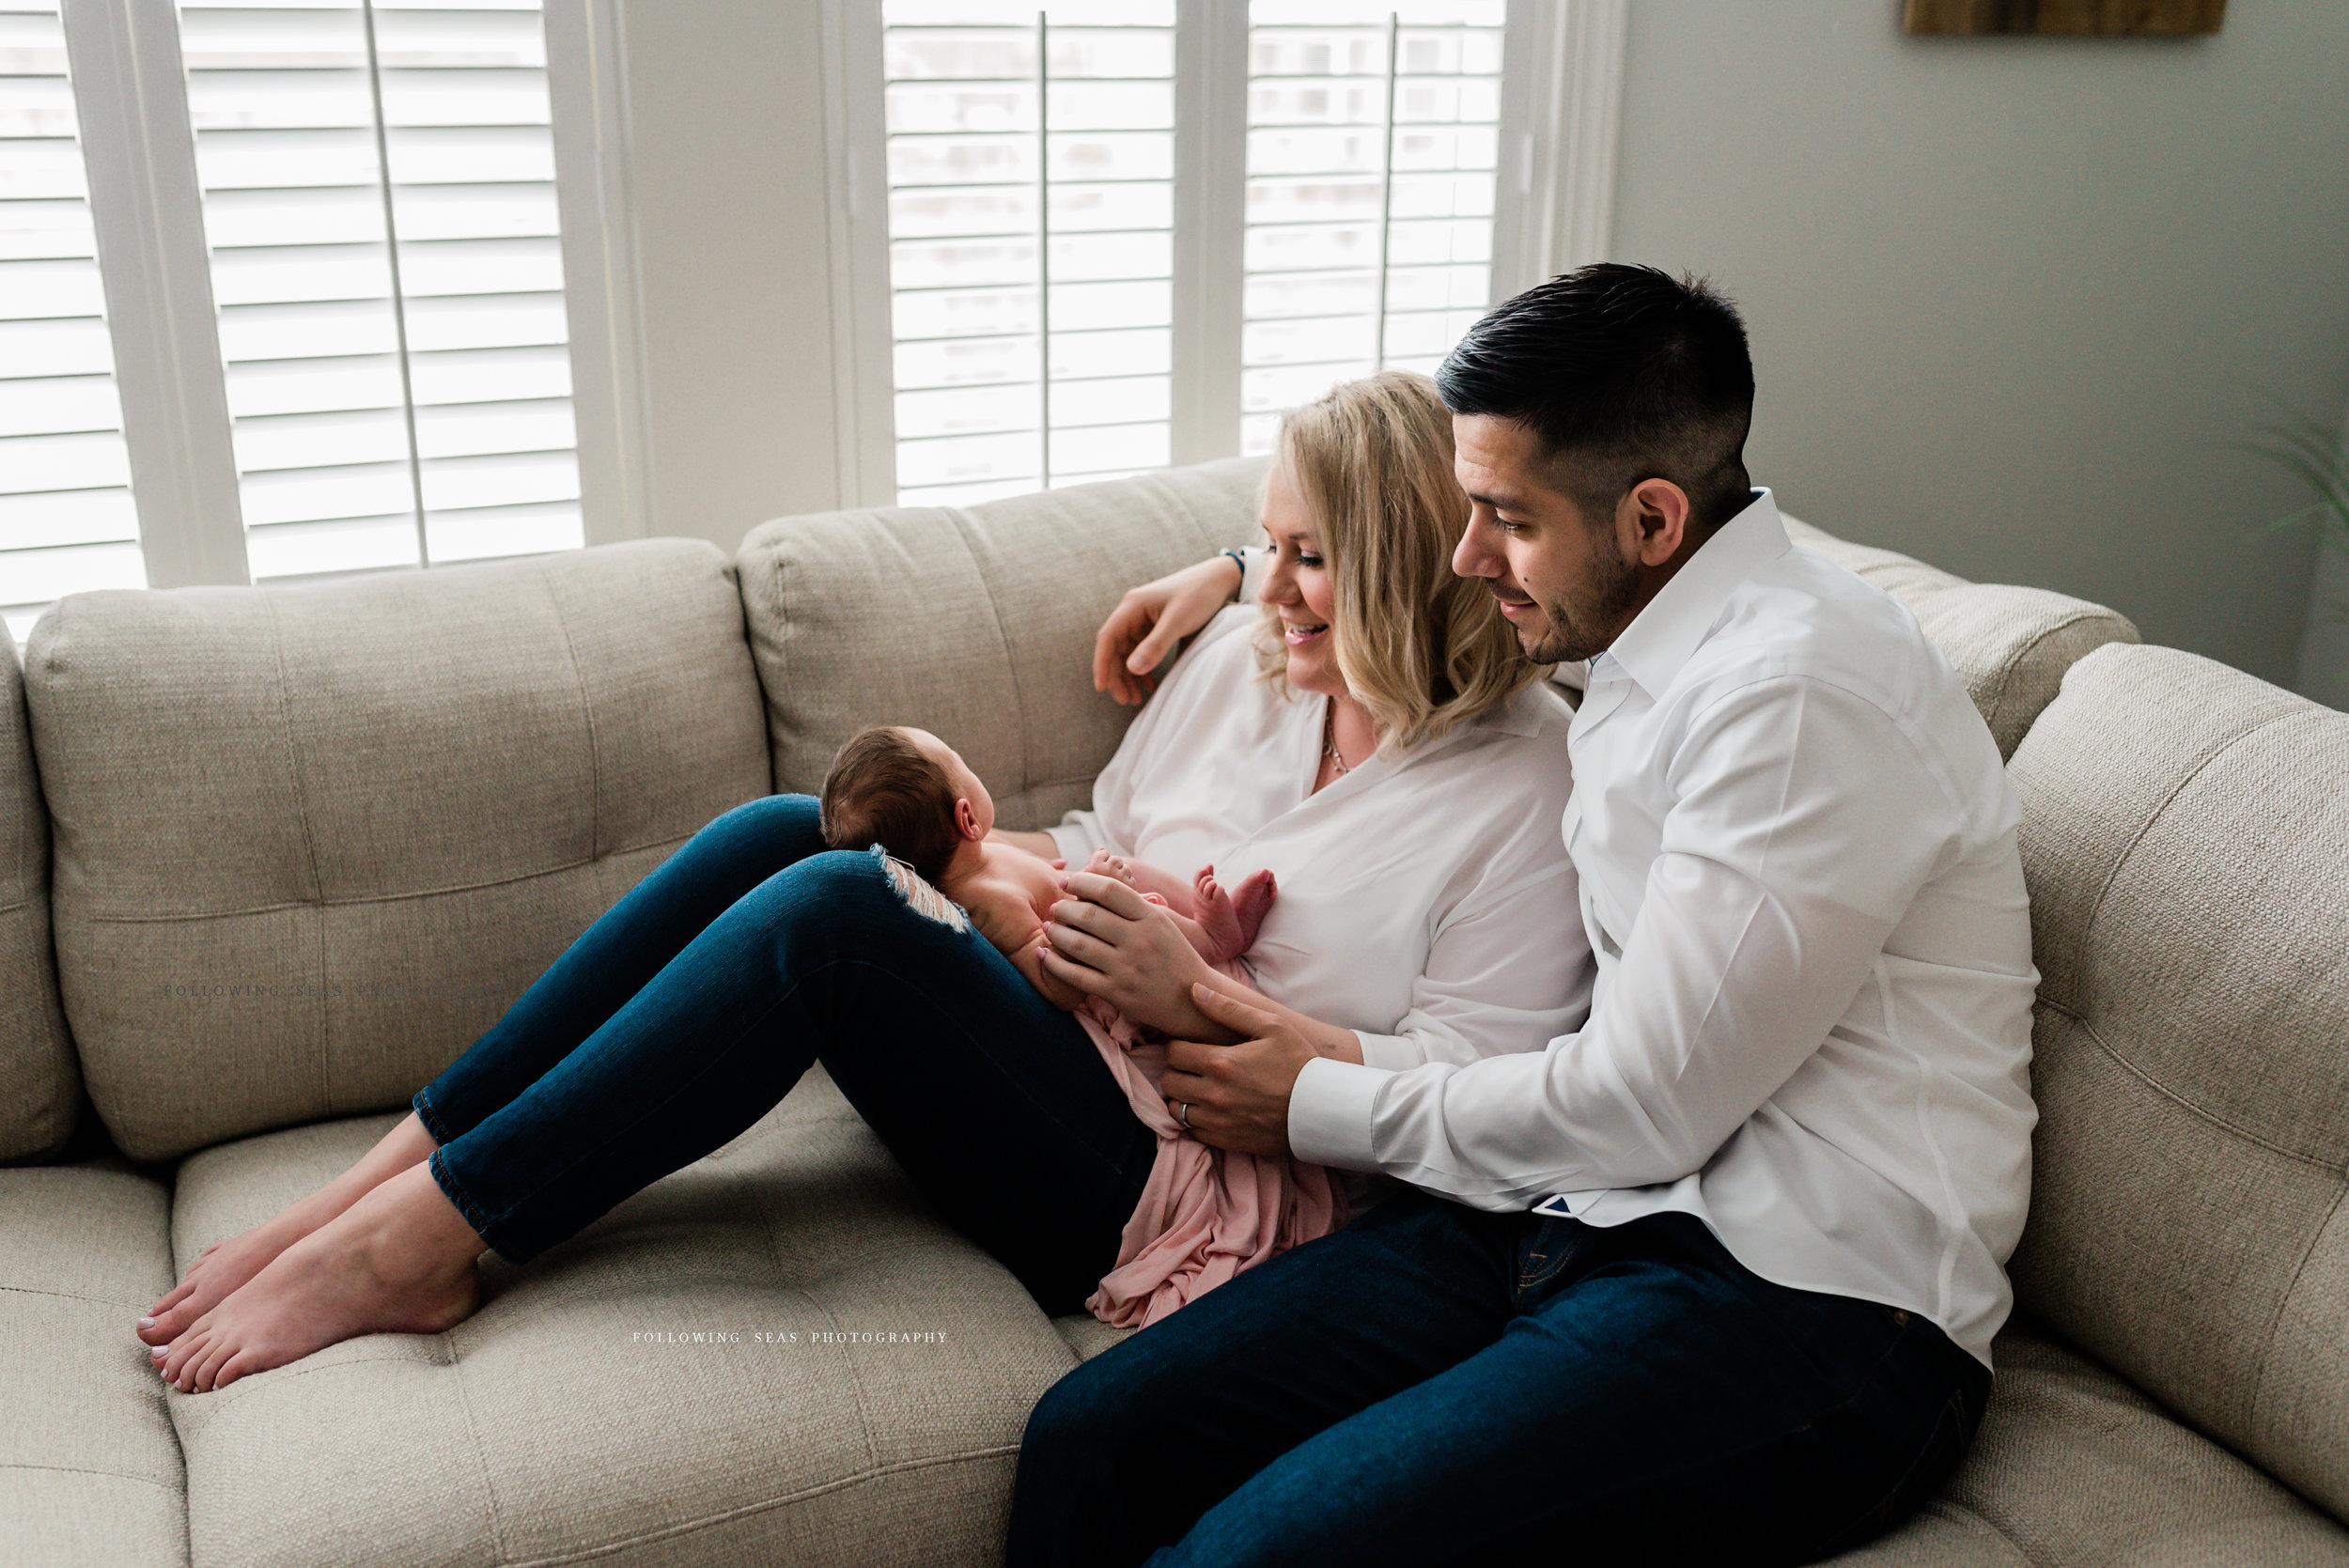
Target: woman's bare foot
x=1231, y=920
x=399, y=1261
x=228, y=1263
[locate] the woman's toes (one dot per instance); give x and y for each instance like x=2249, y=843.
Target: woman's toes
x=214, y=1355
x=183, y=1352
x=230, y=1370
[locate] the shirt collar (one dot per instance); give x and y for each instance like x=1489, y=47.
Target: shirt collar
x=1662, y=636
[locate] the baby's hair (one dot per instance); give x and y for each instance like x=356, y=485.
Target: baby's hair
x=884, y=789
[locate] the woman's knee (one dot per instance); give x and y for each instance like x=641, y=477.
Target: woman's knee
x=773, y=831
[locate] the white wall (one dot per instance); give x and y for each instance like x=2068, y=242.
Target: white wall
x=2013, y=298
x=727, y=183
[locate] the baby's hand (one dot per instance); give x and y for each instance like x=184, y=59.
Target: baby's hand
x=1103, y=864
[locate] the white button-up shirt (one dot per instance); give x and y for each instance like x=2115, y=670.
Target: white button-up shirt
x=1421, y=896
x=1812, y=1022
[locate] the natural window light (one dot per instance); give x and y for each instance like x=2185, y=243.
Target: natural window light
x=1034, y=221
x=66, y=518
x=1030, y=212
x=380, y=208
x=1372, y=135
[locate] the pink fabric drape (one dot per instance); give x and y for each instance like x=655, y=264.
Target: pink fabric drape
x=1206, y=1214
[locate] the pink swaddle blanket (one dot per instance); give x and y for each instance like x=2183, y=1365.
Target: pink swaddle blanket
x=1206, y=1214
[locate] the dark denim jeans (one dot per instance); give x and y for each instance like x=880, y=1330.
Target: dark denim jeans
x=1437, y=1384
x=697, y=1001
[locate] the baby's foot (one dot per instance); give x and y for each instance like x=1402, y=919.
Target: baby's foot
x=1231, y=920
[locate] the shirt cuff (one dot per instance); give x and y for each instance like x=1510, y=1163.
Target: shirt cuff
x=1391, y=1052
x=1254, y=562
x=1329, y=1112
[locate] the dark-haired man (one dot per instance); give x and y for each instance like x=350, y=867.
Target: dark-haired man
x=1714, y=1278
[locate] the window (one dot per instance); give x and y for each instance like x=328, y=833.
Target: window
x=1031, y=218
x=346, y=345
x=1372, y=136
x=378, y=205
x=1036, y=207
x=66, y=518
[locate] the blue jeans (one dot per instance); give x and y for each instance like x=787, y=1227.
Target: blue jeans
x=1435, y=1384
x=694, y=1003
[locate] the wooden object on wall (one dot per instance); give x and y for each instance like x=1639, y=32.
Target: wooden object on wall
x=2077, y=18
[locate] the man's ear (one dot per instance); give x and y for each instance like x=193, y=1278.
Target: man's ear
x=1653, y=519
x=967, y=819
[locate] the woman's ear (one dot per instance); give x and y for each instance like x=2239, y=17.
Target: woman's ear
x=967, y=819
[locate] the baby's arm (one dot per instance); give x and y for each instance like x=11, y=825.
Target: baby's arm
x=1009, y=921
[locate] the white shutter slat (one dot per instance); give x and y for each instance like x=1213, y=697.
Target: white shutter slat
x=391, y=380
x=983, y=163
x=67, y=520
x=1371, y=142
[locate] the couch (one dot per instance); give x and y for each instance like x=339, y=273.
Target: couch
x=270, y=857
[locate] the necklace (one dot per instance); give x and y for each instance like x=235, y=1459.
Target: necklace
x=1330, y=739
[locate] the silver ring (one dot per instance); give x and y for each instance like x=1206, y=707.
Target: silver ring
x=1183, y=1115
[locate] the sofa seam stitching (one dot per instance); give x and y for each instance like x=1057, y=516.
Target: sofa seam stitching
x=2007, y=667
x=481, y=1457
x=88, y=1469
x=387, y=897
x=587, y=716
x=995, y=612
x=2198, y=1113
x=2283, y=1299
x=856, y=1380
x=2103, y=890
x=309, y=841
x=68, y=1296
x=747, y=1510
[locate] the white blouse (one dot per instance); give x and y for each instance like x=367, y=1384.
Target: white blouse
x=1425, y=901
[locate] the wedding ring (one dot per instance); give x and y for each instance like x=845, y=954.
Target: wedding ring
x=1183, y=1115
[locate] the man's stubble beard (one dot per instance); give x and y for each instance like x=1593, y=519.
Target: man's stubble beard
x=1582, y=624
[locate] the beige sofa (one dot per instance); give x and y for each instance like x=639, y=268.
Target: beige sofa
x=270, y=858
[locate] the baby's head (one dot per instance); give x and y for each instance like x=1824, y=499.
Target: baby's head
x=907, y=791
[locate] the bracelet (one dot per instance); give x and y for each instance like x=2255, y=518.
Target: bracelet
x=1239, y=559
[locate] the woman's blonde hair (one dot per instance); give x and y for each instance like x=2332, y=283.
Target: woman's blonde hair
x=1422, y=648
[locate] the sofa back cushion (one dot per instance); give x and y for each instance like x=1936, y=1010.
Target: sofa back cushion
x=312, y=840
x=40, y=1086
x=974, y=623
x=2010, y=645
x=2186, y=836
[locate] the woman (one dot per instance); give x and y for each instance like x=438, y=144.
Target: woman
x=1382, y=745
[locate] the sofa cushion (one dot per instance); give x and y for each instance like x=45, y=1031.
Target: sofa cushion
x=974, y=623
x=312, y=840
x=2010, y=645
x=616, y=1402
x=89, y=1470
x=2186, y=836
x=40, y=1083
x=2073, y=1468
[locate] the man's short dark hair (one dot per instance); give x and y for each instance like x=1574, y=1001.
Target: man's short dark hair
x=1624, y=372
x=884, y=789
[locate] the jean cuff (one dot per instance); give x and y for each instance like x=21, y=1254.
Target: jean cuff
x=422, y=1105
x=475, y=1214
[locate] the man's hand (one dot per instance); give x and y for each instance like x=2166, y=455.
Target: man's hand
x=1238, y=1095
x=1151, y=619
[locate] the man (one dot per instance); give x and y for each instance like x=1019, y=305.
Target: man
x=1713, y=1279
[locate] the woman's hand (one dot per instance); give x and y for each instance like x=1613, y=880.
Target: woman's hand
x=1108, y=940
x=1151, y=619
x=1237, y=1096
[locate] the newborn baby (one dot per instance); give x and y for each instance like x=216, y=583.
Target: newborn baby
x=911, y=793
x=1204, y=1214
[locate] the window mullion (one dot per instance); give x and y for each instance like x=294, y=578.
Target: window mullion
x=131, y=93
x=1210, y=196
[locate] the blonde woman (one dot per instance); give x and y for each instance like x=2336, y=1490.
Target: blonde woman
x=1371, y=733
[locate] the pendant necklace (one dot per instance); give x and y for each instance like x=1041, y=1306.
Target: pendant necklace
x=1329, y=736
